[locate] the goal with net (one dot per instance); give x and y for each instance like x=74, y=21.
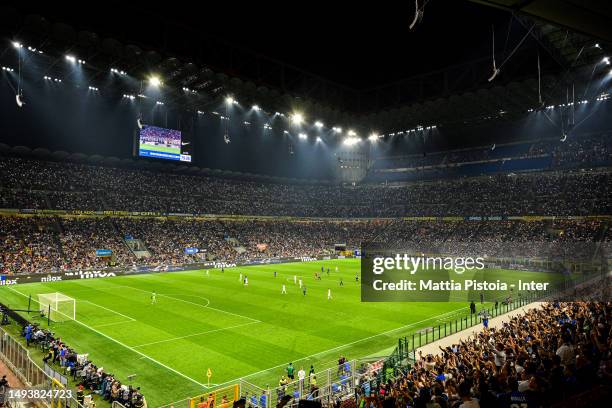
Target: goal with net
x=57, y=306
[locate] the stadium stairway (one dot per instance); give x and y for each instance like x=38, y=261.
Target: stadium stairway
x=59, y=229
x=236, y=245
x=136, y=246
x=600, y=239
x=47, y=200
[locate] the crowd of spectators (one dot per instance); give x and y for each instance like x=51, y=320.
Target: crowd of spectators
x=592, y=150
x=554, y=240
x=547, y=355
x=29, y=245
x=166, y=239
x=577, y=152
x=79, y=238
x=300, y=239
x=88, y=377
x=62, y=242
x=45, y=244
x=35, y=184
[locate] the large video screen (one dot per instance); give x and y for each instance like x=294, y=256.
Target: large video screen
x=162, y=143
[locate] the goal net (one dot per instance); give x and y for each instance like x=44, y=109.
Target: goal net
x=57, y=306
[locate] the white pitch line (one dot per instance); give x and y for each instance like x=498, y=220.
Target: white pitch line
x=193, y=303
x=234, y=314
x=344, y=345
x=110, y=310
x=195, y=334
x=332, y=349
x=113, y=324
x=193, y=296
x=128, y=347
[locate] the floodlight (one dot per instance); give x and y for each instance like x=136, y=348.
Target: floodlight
x=155, y=81
x=297, y=118
x=350, y=141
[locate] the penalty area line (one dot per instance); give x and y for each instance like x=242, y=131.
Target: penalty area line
x=195, y=334
x=110, y=310
x=346, y=345
x=114, y=324
x=127, y=347
x=206, y=306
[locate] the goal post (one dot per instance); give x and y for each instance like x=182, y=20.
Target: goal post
x=57, y=306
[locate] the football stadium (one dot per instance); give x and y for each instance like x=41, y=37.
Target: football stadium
x=391, y=206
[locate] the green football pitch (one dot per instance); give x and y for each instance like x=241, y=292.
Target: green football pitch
x=213, y=321
x=162, y=149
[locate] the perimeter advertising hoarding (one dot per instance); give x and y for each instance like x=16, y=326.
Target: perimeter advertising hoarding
x=6, y=280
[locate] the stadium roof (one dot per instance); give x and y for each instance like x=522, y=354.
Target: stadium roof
x=588, y=17
x=350, y=65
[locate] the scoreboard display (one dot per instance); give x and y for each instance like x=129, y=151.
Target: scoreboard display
x=162, y=143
